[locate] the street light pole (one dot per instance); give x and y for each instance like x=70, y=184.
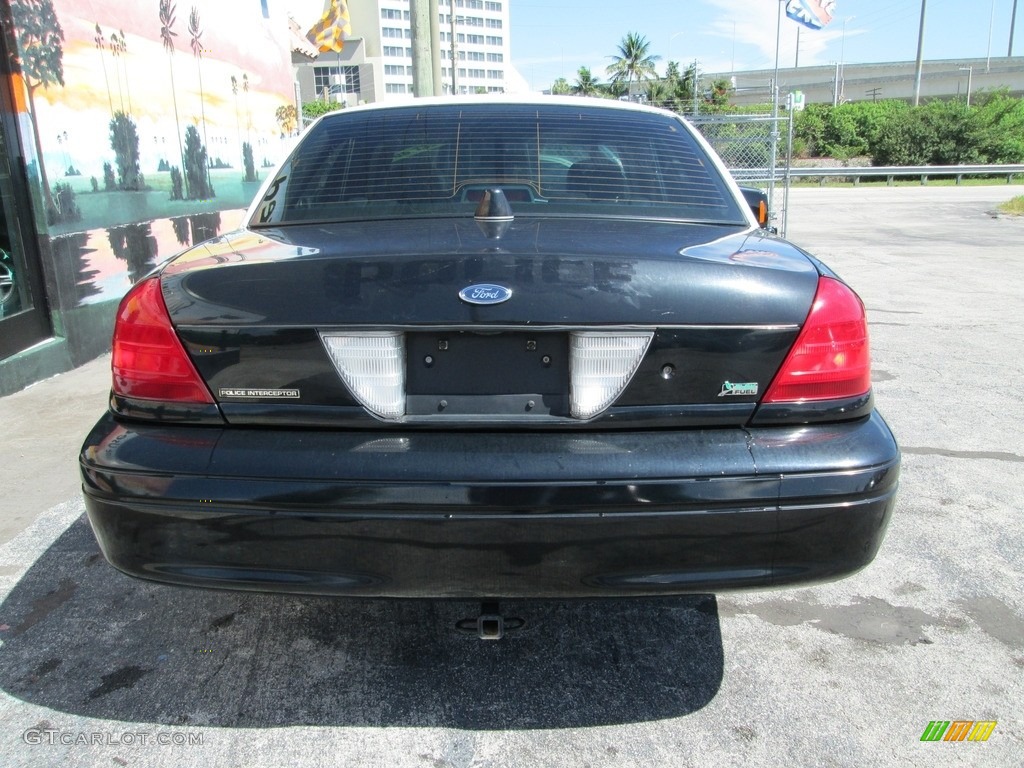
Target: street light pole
x=842, y=60
x=732, y=66
x=775, y=82
x=775, y=112
x=970, y=72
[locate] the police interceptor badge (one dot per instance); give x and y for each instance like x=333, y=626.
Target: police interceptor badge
x=261, y=394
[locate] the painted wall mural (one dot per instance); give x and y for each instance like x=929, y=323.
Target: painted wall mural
x=149, y=109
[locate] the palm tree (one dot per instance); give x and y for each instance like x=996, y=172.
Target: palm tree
x=673, y=81
x=586, y=84
x=167, y=35
x=632, y=61
x=197, y=50
x=561, y=87
x=659, y=94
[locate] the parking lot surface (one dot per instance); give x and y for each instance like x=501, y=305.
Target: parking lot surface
x=100, y=669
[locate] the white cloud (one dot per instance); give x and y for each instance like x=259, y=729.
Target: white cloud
x=755, y=35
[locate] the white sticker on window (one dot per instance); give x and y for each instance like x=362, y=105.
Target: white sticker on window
x=271, y=207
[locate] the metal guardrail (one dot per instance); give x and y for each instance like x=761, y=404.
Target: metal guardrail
x=890, y=173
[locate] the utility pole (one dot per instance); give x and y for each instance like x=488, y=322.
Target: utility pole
x=920, y=57
x=422, y=68
x=991, y=26
x=1013, y=23
x=435, y=46
x=451, y=5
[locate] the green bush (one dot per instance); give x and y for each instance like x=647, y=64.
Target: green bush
x=809, y=128
x=950, y=133
x=999, y=130
x=937, y=133
x=903, y=141
x=842, y=138
x=313, y=109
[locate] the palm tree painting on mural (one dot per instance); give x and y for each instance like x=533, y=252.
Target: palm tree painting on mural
x=124, y=63
x=238, y=125
x=197, y=50
x=248, y=112
x=167, y=35
x=101, y=46
x=119, y=48
x=633, y=61
x=40, y=56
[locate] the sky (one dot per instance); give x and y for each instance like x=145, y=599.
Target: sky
x=554, y=38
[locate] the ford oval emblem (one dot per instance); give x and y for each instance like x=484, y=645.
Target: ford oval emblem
x=485, y=293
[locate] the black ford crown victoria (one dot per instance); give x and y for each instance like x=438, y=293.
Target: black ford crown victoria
x=490, y=349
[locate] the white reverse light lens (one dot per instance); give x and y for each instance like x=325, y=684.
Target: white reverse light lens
x=372, y=365
x=601, y=365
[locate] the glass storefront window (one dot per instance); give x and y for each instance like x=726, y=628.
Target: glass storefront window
x=24, y=320
x=14, y=290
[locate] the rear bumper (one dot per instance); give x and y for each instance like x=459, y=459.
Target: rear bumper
x=423, y=514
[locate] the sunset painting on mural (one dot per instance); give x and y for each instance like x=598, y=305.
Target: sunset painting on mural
x=158, y=102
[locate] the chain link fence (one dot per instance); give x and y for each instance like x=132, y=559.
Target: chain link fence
x=758, y=150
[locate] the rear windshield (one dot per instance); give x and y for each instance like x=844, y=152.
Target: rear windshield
x=548, y=160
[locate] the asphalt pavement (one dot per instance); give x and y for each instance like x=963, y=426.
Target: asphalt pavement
x=100, y=669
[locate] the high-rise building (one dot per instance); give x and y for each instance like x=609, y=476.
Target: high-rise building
x=376, y=63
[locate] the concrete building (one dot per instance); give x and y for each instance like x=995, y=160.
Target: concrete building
x=940, y=79
x=376, y=63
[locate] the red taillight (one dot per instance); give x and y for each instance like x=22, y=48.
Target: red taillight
x=830, y=359
x=149, y=361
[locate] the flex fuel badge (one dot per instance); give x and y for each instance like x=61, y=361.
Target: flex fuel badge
x=729, y=389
